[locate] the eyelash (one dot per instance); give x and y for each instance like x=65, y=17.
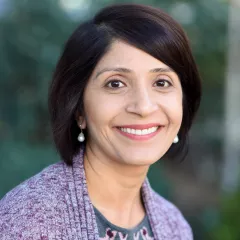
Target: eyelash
x=160, y=80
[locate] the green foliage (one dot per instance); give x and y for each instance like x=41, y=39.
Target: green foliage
x=31, y=40
x=228, y=224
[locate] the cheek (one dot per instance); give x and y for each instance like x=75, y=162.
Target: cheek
x=173, y=108
x=101, y=109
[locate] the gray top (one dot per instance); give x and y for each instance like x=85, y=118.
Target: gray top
x=55, y=205
x=108, y=230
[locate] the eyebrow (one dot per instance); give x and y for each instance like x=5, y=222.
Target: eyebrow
x=127, y=70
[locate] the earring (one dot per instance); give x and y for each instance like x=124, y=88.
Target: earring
x=81, y=136
x=176, y=139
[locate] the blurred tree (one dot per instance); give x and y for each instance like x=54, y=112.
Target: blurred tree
x=31, y=38
x=231, y=164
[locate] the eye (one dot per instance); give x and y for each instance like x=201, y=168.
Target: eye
x=114, y=84
x=163, y=83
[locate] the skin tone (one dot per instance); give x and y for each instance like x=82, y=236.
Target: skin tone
x=128, y=86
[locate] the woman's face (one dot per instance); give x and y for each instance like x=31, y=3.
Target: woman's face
x=133, y=106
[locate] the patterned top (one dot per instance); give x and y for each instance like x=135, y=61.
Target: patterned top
x=55, y=205
x=107, y=230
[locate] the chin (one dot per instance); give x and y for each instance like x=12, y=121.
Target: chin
x=139, y=155
x=141, y=160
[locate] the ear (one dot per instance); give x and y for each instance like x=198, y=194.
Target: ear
x=81, y=121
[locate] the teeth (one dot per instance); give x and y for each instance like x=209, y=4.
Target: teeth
x=138, y=131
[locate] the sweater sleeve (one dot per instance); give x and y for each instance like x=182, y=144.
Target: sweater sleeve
x=31, y=210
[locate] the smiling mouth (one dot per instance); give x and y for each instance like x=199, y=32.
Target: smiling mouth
x=139, y=132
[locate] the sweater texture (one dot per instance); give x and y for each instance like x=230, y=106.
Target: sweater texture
x=55, y=205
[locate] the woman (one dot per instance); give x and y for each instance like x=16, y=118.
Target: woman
x=123, y=95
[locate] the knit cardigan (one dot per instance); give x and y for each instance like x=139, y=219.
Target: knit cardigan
x=55, y=205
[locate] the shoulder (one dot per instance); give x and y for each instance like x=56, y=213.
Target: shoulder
x=25, y=210
x=175, y=219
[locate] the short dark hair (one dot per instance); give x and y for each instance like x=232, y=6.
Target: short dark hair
x=144, y=27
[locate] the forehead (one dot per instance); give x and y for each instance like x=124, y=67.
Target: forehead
x=122, y=54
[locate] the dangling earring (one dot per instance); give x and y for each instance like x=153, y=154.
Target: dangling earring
x=176, y=139
x=81, y=136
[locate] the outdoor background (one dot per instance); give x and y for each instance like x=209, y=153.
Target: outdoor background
x=206, y=185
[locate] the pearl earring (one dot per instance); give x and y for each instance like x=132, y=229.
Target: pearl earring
x=176, y=139
x=81, y=136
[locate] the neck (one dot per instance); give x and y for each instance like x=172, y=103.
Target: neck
x=115, y=188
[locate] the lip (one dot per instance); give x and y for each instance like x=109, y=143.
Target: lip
x=139, y=137
x=141, y=126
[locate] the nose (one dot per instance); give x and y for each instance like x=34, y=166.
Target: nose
x=142, y=102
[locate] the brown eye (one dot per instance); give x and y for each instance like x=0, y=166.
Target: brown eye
x=163, y=83
x=114, y=84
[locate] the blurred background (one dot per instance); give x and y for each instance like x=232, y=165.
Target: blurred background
x=206, y=185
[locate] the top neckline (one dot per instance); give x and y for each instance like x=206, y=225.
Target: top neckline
x=121, y=229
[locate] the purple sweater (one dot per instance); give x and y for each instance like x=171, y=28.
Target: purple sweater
x=54, y=204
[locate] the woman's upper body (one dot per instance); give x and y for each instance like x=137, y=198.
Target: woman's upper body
x=126, y=90
x=55, y=204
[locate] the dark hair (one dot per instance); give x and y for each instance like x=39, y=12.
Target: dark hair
x=146, y=28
